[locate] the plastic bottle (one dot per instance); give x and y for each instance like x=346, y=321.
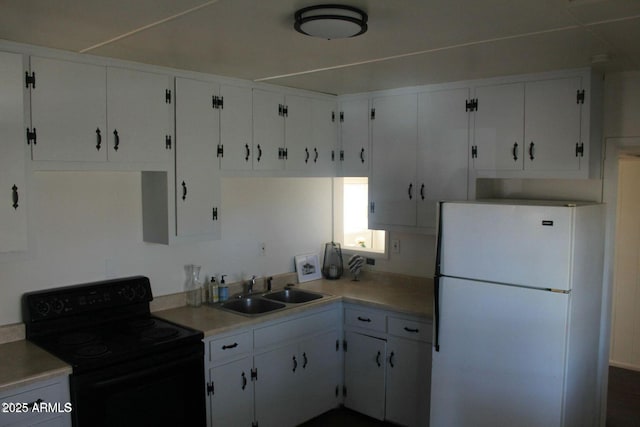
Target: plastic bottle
x=213, y=291
x=223, y=289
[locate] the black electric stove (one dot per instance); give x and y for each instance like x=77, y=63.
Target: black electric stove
x=130, y=367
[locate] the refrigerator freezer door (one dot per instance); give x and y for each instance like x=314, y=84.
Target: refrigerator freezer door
x=516, y=244
x=502, y=356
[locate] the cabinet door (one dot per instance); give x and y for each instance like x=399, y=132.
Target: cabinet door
x=364, y=374
x=232, y=399
x=13, y=195
x=276, y=387
x=298, y=131
x=319, y=380
x=235, y=128
x=499, y=127
x=197, y=181
x=139, y=116
x=324, y=137
x=552, y=125
x=68, y=111
x=408, y=382
x=354, y=137
x=443, y=144
x=268, y=130
x=392, y=186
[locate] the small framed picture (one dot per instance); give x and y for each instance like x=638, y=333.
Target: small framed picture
x=308, y=267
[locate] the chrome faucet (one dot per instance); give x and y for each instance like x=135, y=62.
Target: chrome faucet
x=251, y=284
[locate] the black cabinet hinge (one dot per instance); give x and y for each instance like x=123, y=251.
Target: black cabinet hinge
x=32, y=137
x=372, y=207
x=580, y=97
x=474, y=152
x=167, y=142
x=30, y=80
x=167, y=96
x=210, y=388
x=579, y=149
x=254, y=374
x=341, y=116
x=333, y=116
x=337, y=345
x=342, y=155
x=344, y=391
x=220, y=151
x=217, y=102
x=471, y=104
x=344, y=345
x=373, y=114
x=285, y=110
x=337, y=390
x=214, y=214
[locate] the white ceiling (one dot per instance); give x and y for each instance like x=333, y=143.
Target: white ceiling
x=409, y=42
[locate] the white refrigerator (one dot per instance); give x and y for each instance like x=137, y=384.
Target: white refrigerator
x=517, y=314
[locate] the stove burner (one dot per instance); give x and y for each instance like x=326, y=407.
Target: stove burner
x=158, y=334
x=141, y=323
x=77, y=338
x=92, y=351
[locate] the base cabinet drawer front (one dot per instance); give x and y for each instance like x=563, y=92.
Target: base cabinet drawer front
x=296, y=328
x=230, y=347
x=367, y=319
x=45, y=403
x=410, y=329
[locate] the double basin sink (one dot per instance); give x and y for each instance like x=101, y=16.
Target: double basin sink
x=253, y=305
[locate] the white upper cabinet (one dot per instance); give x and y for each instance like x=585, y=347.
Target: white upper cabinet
x=268, y=130
x=298, y=140
x=354, y=137
x=197, y=178
x=68, y=111
x=13, y=194
x=90, y=113
x=324, y=137
x=236, y=136
x=139, y=106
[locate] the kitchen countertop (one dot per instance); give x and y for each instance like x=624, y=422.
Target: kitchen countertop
x=23, y=363
x=402, y=294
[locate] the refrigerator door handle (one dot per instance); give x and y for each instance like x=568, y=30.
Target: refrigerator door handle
x=436, y=282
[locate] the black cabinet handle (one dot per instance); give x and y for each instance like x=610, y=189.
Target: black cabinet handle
x=414, y=331
x=247, y=152
x=362, y=155
x=391, y=359
x=98, y=139
x=295, y=364
x=184, y=190
x=410, y=191
x=531, y=152
x=378, y=359
x=364, y=319
x=515, y=151
x=259, y=152
x=244, y=381
x=116, y=139
x=304, y=360
x=315, y=155
x=422, y=191
x=306, y=155
x=15, y=197
x=230, y=346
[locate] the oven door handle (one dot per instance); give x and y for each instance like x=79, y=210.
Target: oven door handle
x=146, y=372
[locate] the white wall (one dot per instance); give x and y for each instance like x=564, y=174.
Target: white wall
x=87, y=226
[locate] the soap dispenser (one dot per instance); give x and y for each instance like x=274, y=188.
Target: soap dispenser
x=213, y=291
x=223, y=289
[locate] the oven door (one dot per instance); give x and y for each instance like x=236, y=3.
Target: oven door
x=159, y=390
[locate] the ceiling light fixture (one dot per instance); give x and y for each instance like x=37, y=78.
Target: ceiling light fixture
x=331, y=21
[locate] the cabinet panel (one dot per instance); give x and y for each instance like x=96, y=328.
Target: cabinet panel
x=324, y=136
x=367, y=319
x=364, y=365
x=392, y=185
x=48, y=392
x=235, y=128
x=410, y=329
x=229, y=347
x=354, y=137
x=268, y=129
x=197, y=182
x=68, y=111
x=498, y=127
x=139, y=116
x=232, y=400
x=298, y=141
x=13, y=191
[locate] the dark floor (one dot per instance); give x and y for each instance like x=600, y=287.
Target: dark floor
x=623, y=406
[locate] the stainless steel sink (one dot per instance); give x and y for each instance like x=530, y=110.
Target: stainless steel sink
x=251, y=305
x=293, y=296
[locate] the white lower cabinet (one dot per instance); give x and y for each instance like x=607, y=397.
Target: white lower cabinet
x=48, y=402
x=232, y=393
x=387, y=366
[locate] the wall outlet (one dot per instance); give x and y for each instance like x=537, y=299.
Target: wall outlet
x=395, y=246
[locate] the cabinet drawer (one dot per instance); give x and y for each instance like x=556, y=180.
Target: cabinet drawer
x=411, y=329
x=295, y=328
x=225, y=348
x=365, y=319
x=54, y=395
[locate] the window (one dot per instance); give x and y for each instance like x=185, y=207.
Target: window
x=351, y=202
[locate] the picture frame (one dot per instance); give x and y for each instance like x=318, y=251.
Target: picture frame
x=308, y=267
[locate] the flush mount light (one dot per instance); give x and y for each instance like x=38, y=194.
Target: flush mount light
x=331, y=21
